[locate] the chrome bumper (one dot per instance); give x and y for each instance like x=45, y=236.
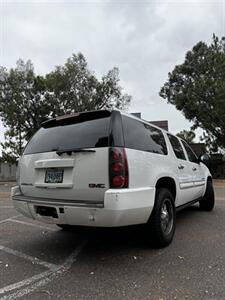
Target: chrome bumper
x=58, y=202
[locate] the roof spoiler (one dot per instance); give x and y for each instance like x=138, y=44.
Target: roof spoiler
x=74, y=118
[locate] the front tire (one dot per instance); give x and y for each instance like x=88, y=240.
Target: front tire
x=208, y=201
x=163, y=218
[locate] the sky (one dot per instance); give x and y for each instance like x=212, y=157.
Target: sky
x=144, y=39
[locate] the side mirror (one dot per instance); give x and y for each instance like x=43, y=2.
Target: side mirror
x=205, y=159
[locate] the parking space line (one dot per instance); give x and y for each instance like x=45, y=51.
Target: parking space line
x=36, y=281
x=1, y=206
x=22, y=283
x=32, y=224
x=9, y=219
x=34, y=260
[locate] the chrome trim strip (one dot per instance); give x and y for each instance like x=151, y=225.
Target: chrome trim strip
x=191, y=184
x=199, y=183
x=186, y=185
x=58, y=202
x=54, y=163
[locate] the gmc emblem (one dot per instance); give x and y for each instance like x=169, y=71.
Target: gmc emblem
x=97, y=185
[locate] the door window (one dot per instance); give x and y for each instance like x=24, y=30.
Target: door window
x=176, y=145
x=191, y=155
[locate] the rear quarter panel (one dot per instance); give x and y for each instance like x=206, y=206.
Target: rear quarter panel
x=146, y=168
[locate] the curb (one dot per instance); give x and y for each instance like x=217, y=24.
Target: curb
x=8, y=183
x=219, y=182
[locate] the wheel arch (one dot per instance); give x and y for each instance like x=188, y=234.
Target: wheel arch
x=169, y=183
x=209, y=178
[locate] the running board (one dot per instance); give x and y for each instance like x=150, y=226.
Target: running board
x=178, y=208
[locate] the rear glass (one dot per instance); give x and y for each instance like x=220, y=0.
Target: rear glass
x=87, y=134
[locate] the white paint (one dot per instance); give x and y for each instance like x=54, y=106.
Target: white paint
x=9, y=219
x=120, y=207
x=80, y=170
x=6, y=207
x=47, y=276
x=22, y=283
x=34, y=260
x=32, y=224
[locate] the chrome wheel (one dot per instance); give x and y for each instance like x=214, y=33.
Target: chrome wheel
x=167, y=216
x=162, y=222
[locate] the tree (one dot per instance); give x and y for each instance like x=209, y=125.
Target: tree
x=26, y=99
x=187, y=135
x=75, y=88
x=197, y=88
x=23, y=105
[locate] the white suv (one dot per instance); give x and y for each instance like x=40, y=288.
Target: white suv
x=107, y=168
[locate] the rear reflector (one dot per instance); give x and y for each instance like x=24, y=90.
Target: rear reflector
x=118, y=168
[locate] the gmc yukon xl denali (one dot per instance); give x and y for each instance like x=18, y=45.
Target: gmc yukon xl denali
x=107, y=168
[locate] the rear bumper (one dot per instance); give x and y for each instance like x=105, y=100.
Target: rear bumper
x=121, y=207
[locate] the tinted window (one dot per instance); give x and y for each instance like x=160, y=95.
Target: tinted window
x=191, y=156
x=141, y=136
x=176, y=145
x=87, y=134
x=116, y=130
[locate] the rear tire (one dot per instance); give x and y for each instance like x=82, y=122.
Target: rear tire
x=208, y=201
x=162, y=222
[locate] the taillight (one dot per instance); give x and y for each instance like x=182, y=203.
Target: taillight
x=118, y=168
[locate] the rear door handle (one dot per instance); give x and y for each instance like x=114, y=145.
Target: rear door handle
x=194, y=169
x=180, y=167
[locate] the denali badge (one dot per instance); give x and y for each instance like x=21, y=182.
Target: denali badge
x=97, y=185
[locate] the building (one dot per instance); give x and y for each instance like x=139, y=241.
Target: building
x=198, y=148
x=7, y=171
x=161, y=124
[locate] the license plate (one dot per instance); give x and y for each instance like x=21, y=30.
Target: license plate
x=54, y=176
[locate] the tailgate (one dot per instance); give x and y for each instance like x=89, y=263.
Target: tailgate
x=80, y=176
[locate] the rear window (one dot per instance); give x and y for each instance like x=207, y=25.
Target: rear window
x=62, y=135
x=142, y=136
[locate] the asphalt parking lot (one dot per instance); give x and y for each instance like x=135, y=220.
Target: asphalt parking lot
x=40, y=261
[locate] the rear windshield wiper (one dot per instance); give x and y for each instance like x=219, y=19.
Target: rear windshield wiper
x=70, y=151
